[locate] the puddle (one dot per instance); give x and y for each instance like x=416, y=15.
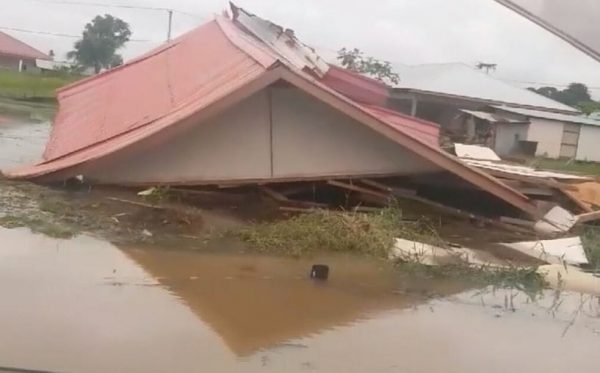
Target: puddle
x=84, y=305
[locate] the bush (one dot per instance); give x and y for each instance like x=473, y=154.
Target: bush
x=338, y=231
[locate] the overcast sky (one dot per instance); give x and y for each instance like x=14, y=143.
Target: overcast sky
x=401, y=31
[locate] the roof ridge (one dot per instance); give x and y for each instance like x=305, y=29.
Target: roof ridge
x=25, y=44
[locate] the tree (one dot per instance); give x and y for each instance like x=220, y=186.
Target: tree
x=101, y=39
x=576, y=95
x=355, y=60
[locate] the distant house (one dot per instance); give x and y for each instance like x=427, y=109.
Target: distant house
x=474, y=107
x=16, y=55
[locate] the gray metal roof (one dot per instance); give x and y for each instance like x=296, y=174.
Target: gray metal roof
x=457, y=79
x=492, y=117
x=579, y=119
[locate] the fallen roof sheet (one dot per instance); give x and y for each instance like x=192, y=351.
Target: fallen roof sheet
x=282, y=41
x=475, y=152
x=14, y=47
x=204, y=72
x=522, y=170
x=559, y=251
x=579, y=119
x=576, y=22
x=462, y=81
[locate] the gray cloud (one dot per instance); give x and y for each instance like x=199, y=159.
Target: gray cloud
x=401, y=31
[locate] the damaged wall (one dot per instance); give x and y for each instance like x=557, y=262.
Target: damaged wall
x=309, y=139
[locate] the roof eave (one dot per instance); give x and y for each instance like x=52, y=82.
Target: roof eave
x=479, y=100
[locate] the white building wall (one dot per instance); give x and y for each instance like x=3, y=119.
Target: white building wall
x=298, y=137
x=310, y=138
x=507, y=137
x=548, y=134
x=588, y=148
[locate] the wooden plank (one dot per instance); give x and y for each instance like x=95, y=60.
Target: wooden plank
x=137, y=203
x=295, y=209
x=529, y=179
x=588, y=217
x=356, y=188
x=300, y=188
x=386, y=188
x=376, y=185
x=273, y=194
x=515, y=221
x=582, y=205
x=464, y=214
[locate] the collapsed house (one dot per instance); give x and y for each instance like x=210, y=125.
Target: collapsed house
x=241, y=101
x=473, y=107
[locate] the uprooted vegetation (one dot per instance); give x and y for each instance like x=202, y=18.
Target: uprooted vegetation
x=374, y=234
x=591, y=244
x=337, y=231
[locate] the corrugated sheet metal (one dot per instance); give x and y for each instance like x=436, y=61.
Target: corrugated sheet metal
x=463, y=81
x=426, y=131
x=201, y=74
x=14, y=47
x=475, y=152
x=356, y=86
x=202, y=64
x=579, y=119
x=522, y=170
x=281, y=41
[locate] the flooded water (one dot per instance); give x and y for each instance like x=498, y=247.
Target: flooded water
x=21, y=142
x=83, y=305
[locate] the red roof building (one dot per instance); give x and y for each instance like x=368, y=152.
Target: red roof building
x=15, y=54
x=239, y=101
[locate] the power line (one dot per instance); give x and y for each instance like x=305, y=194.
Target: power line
x=61, y=34
x=121, y=6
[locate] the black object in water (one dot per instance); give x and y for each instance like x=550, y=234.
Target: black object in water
x=319, y=272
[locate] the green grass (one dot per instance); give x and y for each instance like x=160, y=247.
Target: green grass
x=525, y=279
x=38, y=225
x=31, y=86
x=591, y=244
x=572, y=166
x=369, y=234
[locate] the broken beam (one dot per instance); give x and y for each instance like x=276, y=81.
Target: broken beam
x=587, y=217
x=356, y=188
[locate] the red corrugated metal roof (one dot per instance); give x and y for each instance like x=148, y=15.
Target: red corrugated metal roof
x=212, y=67
x=426, y=131
x=356, y=86
x=200, y=65
x=14, y=47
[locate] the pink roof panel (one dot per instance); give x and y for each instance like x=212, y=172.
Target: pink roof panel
x=197, y=65
x=14, y=47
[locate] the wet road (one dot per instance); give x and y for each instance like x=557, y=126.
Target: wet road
x=84, y=305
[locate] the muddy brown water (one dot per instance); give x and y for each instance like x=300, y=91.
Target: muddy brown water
x=84, y=305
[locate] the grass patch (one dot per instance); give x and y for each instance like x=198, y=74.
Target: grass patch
x=591, y=244
x=38, y=225
x=525, y=279
x=572, y=166
x=337, y=231
x=14, y=84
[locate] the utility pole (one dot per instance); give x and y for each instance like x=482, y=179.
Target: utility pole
x=170, y=12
